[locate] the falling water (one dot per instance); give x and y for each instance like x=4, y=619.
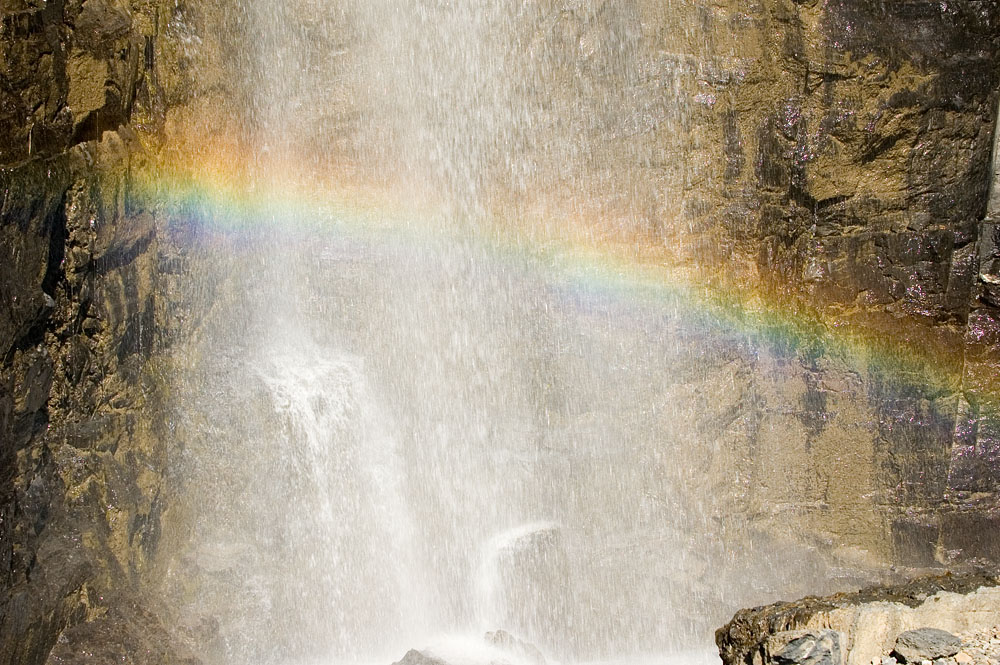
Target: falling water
x=396, y=442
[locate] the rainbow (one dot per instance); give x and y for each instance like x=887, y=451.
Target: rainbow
x=576, y=254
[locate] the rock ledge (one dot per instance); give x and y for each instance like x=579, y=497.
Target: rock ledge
x=869, y=620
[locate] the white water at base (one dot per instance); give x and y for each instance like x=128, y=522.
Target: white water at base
x=473, y=650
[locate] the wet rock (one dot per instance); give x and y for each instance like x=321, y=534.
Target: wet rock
x=805, y=647
x=414, y=657
x=78, y=280
x=914, y=646
x=126, y=634
x=532, y=573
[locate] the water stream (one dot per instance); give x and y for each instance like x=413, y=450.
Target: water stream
x=403, y=440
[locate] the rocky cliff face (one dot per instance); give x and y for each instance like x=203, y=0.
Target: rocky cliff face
x=857, y=140
x=85, y=272
x=830, y=161
x=833, y=156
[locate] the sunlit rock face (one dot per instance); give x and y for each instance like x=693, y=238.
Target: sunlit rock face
x=857, y=171
x=84, y=272
x=828, y=162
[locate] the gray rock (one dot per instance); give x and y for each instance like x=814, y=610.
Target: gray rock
x=805, y=647
x=914, y=646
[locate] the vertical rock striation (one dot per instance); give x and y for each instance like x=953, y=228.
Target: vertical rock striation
x=835, y=162
x=84, y=273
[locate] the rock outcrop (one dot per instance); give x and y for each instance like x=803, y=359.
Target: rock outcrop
x=85, y=273
x=872, y=622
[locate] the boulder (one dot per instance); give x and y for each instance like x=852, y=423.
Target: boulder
x=914, y=646
x=805, y=647
x=414, y=657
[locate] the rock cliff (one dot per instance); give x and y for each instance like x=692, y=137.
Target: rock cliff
x=858, y=143
x=85, y=275
x=831, y=157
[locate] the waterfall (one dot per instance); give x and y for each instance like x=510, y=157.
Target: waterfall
x=406, y=425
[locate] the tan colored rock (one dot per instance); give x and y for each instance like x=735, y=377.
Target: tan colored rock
x=87, y=78
x=871, y=620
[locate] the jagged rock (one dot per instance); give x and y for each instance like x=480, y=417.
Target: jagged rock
x=914, y=646
x=127, y=634
x=414, y=657
x=805, y=647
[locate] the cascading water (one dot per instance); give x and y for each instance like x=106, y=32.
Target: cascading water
x=395, y=440
x=379, y=467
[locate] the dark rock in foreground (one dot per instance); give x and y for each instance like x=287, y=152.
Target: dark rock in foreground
x=805, y=647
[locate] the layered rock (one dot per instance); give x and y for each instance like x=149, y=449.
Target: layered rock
x=867, y=625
